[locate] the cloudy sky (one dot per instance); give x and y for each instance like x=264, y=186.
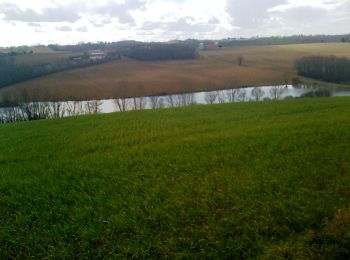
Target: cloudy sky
x=72, y=21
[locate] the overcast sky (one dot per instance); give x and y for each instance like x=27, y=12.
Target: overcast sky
x=72, y=21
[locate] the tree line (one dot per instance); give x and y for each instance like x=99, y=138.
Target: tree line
x=162, y=51
x=27, y=110
x=12, y=72
x=330, y=68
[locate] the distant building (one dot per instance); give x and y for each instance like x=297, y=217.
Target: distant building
x=97, y=55
x=209, y=46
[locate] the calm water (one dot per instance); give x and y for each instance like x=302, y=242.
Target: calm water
x=70, y=108
x=108, y=105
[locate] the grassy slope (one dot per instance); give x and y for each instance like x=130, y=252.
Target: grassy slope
x=215, y=69
x=236, y=180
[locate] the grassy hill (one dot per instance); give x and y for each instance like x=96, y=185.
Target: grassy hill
x=268, y=179
x=263, y=65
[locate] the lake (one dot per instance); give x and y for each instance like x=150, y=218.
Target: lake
x=44, y=110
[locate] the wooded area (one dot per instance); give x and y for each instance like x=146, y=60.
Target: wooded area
x=12, y=72
x=330, y=68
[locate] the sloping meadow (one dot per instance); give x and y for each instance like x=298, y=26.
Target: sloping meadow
x=268, y=179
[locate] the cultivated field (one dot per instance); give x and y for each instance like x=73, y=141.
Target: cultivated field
x=263, y=65
x=268, y=180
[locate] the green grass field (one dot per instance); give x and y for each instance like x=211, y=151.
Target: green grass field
x=265, y=180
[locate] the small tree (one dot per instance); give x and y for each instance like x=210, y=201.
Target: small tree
x=221, y=97
x=122, y=104
x=240, y=60
x=156, y=102
x=210, y=97
x=171, y=101
x=241, y=95
x=231, y=95
x=276, y=92
x=257, y=93
x=139, y=103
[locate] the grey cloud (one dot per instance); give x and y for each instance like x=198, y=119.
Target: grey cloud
x=37, y=25
x=213, y=20
x=100, y=23
x=312, y=20
x=250, y=13
x=121, y=11
x=57, y=14
x=303, y=15
x=82, y=29
x=64, y=28
x=185, y=25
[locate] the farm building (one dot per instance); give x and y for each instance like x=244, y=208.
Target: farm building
x=97, y=55
x=209, y=46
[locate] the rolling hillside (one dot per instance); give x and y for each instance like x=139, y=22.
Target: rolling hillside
x=262, y=180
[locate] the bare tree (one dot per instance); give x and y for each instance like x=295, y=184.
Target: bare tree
x=155, y=102
x=139, y=103
x=257, y=93
x=171, y=101
x=161, y=103
x=74, y=108
x=241, y=95
x=231, y=95
x=276, y=92
x=11, y=115
x=221, y=97
x=57, y=109
x=240, y=60
x=93, y=107
x=122, y=104
x=210, y=97
x=186, y=99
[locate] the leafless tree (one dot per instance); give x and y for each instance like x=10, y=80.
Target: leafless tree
x=210, y=97
x=57, y=109
x=231, y=95
x=161, y=103
x=276, y=92
x=240, y=60
x=185, y=99
x=139, y=103
x=74, y=108
x=93, y=107
x=11, y=115
x=155, y=102
x=241, y=95
x=122, y=104
x=171, y=101
x=257, y=93
x=221, y=97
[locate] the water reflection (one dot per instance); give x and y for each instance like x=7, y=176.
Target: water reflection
x=44, y=110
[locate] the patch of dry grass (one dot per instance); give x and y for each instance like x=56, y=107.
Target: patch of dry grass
x=263, y=65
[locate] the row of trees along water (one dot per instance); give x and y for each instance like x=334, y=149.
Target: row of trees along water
x=330, y=69
x=28, y=111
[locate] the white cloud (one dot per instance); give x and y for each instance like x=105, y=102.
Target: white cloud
x=72, y=21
